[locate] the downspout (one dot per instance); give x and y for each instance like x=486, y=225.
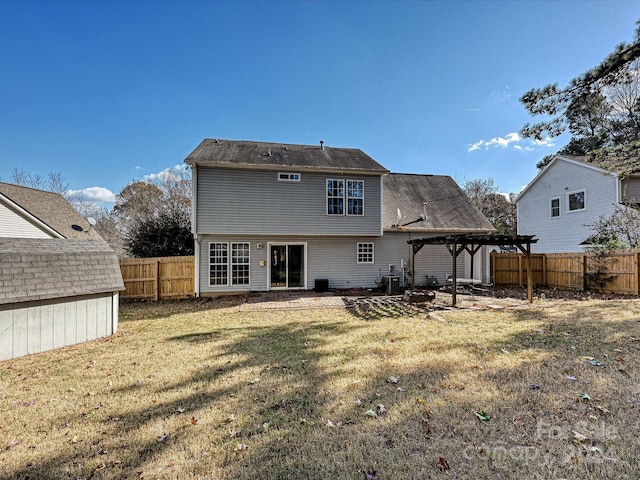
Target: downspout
x=381, y=205
x=196, y=269
x=194, y=225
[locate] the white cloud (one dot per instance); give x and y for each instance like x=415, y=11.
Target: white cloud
x=92, y=194
x=177, y=172
x=511, y=140
x=502, y=142
x=545, y=142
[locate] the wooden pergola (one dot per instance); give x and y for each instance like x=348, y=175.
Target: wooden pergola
x=456, y=244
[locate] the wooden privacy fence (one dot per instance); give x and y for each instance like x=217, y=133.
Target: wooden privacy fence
x=612, y=272
x=161, y=278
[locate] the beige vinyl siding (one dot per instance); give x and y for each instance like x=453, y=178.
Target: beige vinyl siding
x=566, y=232
x=38, y=326
x=631, y=190
x=244, y=202
x=16, y=226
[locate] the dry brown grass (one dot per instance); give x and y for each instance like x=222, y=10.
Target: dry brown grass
x=207, y=390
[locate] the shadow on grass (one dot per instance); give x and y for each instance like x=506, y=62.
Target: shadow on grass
x=301, y=422
x=285, y=358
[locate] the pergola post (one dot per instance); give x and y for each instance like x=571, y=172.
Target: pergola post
x=415, y=248
x=526, y=249
x=454, y=280
x=472, y=243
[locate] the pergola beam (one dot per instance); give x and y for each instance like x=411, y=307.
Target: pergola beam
x=471, y=243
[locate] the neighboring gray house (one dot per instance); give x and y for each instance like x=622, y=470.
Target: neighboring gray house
x=59, y=282
x=270, y=216
x=568, y=196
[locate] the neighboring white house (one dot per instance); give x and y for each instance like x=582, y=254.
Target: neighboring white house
x=568, y=196
x=59, y=281
x=270, y=216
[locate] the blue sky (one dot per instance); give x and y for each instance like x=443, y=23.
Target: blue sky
x=109, y=92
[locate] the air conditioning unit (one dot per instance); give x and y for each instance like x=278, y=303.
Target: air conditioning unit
x=391, y=284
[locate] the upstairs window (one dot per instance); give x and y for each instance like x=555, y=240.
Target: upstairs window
x=576, y=201
x=288, y=177
x=355, y=197
x=345, y=201
x=555, y=207
x=335, y=197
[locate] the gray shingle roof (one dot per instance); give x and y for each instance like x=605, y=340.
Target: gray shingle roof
x=51, y=209
x=232, y=153
x=447, y=206
x=39, y=269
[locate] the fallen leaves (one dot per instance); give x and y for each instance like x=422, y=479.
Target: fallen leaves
x=443, y=465
x=483, y=416
x=240, y=447
x=229, y=419
x=592, y=361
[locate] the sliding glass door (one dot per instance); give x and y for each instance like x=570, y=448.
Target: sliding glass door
x=287, y=268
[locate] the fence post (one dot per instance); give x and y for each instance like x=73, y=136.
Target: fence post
x=156, y=293
x=585, y=283
x=544, y=270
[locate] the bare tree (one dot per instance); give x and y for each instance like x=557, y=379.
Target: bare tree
x=53, y=182
x=620, y=230
x=156, y=211
x=498, y=209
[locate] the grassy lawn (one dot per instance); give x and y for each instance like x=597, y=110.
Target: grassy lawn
x=210, y=390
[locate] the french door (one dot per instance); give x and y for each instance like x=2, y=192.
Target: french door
x=286, y=266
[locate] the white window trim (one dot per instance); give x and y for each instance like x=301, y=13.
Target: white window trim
x=306, y=268
x=214, y=285
x=232, y=264
x=551, y=207
x=229, y=265
x=373, y=253
x=289, y=177
x=327, y=197
x=584, y=191
x=347, y=197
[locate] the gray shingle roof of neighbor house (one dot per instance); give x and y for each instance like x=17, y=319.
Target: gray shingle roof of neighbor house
x=51, y=209
x=447, y=208
x=244, y=154
x=40, y=269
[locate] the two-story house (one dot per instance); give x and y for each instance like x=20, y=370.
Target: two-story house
x=270, y=216
x=560, y=205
